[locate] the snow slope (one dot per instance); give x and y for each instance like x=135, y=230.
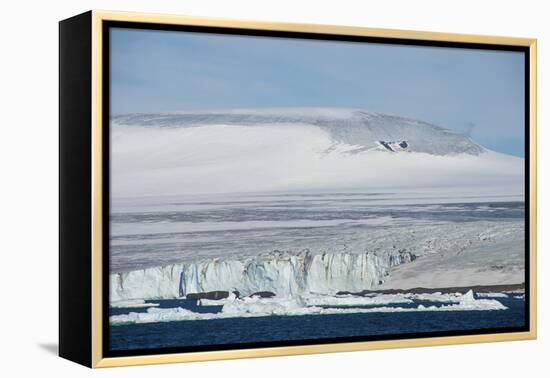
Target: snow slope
x=348, y=126
x=296, y=149
x=500, y=261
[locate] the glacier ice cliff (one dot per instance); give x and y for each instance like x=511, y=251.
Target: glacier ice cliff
x=282, y=273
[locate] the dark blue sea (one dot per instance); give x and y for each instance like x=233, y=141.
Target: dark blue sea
x=197, y=333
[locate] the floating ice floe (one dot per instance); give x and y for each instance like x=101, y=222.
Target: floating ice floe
x=351, y=300
x=217, y=302
x=132, y=303
x=436, y=297
x=468, y=302
x=258, y=307
x=492, y=295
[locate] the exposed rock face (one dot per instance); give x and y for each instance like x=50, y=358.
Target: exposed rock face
x=263, y=294
x=212, y=295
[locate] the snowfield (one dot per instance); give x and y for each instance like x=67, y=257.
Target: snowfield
x=344, y=126
x=296, y=149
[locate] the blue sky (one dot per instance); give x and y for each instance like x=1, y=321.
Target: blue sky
x=475, y=92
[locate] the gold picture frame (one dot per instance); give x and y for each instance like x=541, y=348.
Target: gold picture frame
x=90, y=235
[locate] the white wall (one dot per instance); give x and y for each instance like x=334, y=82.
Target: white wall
x=28, y=155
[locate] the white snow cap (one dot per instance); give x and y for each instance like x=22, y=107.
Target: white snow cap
x=349, y=126
x=295, y=149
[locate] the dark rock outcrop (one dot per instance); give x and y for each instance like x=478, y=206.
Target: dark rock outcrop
x=213, y=295
x=444, y=290
x=263, y=294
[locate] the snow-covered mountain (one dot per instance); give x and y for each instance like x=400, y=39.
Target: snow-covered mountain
x=296, y=149
x=366, y=130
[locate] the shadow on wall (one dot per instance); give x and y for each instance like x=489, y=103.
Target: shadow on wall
x=51, y=348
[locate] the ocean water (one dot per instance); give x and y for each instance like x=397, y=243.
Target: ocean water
x=307, y=327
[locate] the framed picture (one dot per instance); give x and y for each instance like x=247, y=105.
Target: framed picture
x=235, y=189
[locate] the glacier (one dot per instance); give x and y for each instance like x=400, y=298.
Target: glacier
x=282, y=273
x=425, y=255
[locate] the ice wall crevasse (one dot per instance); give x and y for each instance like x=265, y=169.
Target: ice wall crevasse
x=282, y=273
